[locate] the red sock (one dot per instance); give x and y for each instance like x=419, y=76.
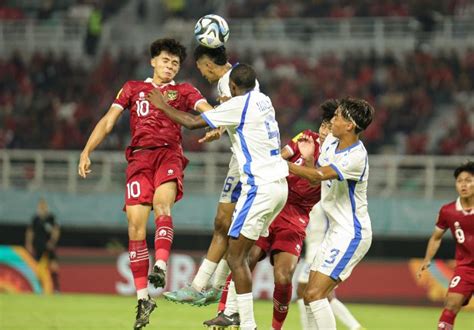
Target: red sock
x=446, y=321
x=281, y=300
x=163, y=237
x=139, y=263
x=225, y=290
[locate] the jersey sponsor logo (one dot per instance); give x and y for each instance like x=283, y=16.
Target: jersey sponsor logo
x=133, y=254
x=171, y=95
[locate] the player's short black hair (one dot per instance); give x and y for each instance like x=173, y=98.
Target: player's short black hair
x=243, y=75
x=328, y=108
x=169, y=45
x=357, y=110
x=466, y=167
x=217, y=55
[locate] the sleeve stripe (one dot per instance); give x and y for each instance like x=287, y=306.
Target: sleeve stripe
x=117, y=105
x=339, y=174
x=290, y=150
x=208, y=121
x=197, y=102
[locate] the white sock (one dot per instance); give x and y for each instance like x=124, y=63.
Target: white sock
x=142, y=294
x=323, y=314
x=303, y=317
x=231, y=306
x=247, y=318
x=203, y=275
x=221, y=274
x=344, y=315
x=161, y=264
x=310, y=317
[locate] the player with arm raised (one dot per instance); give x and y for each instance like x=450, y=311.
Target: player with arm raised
x=154, y=175
x=250, y=118
x=285, y=240
x=343, y=172
x=214, y=66
x=315, y=232
x=458, y=217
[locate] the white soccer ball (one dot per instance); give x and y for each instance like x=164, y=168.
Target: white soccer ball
x=211, y=31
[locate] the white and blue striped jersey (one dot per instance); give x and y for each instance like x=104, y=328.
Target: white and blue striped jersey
x=254, y=134
x=344, y=199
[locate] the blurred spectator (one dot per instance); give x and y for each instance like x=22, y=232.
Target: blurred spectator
x=39, y=109
x=41, y=239
x=94, y=30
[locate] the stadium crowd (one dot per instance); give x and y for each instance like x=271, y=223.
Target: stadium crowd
x=51, y=102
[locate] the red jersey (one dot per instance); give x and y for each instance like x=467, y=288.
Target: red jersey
x=300, y=192
x=148, y=125
x=461, y=224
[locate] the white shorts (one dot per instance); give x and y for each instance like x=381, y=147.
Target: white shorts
x=232, y=186
x=315, y=233
x=257, y=207
x=339, y=254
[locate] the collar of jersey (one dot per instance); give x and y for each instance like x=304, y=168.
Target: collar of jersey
x=460, y=208
x=150, y=80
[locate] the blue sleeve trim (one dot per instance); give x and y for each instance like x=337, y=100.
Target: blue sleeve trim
x=208, y=121
x=339, y=174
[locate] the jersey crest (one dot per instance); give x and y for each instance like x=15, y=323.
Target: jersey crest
x=171, y=95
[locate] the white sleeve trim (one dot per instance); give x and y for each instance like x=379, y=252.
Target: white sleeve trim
x=290, y=149
x=117, y=105
x=197, y=102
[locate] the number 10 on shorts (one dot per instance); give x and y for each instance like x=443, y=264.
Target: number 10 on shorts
x=133, y=189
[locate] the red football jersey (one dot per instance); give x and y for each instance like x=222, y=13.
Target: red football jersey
x=461, y=224
x=148, y=125
x=300, y=192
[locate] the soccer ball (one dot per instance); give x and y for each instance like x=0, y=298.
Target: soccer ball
x=211, y=31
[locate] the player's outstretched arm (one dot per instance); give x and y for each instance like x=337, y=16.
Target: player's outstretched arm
x=101, y=130
x=433, y=246
x=183, y=118
x=313, y=175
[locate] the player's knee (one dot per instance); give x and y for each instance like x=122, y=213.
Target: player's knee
x=136, y=231
x=282, y=276
x=161, y=209
x=452, y=305
x=220, y=227
x=312, y=294
x=222, y=223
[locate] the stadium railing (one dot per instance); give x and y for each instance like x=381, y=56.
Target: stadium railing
x=46, y=170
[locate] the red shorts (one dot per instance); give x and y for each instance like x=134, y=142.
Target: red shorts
x=286, y=233
x=463, y=282
x=149, y=168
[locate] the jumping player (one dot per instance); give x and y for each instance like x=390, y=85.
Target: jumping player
x=155, y=163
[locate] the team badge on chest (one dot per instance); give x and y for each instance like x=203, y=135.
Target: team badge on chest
x=171, y=95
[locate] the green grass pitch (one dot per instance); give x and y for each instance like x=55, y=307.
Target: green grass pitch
x=67, y=311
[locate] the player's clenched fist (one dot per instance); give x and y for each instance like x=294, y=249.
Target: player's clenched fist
x=84, y=166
